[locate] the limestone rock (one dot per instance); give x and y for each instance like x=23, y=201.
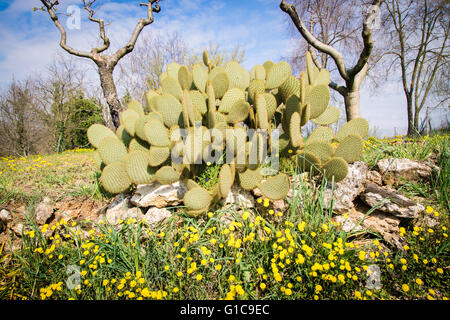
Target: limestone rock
x=18, y=229
x=119, y=209
x=377, y=221
x=394, y=170
x=391, y=201
x=374, y=177
x=5, y=216
x=43, y=211
x=158, y=195
x=348, y=189
x=156, y=215
x=239, y=197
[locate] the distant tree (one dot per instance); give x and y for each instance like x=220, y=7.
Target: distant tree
x=105, y=63
x=55, y=92
x=418, y=45
x=327, y=26
x=20, y=129
x=84, y=113
x=141, y=71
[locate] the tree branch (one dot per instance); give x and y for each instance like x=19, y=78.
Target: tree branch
x=367, y=39
x=309, y=37
x=137, y=30
x=88, y=6
x=63, y=42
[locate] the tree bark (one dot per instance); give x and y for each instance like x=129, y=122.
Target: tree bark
x=352, y=104
x=110, y=92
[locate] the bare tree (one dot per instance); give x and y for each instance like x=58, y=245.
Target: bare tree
x=328, y=27
x=20, y=129
x=105, y=63
x=53, y=95
x=419, y=47
x=140, y=71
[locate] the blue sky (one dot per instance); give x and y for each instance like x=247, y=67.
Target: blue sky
x=29, y=40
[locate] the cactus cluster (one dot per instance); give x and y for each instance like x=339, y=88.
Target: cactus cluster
x=169, y=137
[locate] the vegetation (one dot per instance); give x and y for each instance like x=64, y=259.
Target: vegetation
x=260, y=254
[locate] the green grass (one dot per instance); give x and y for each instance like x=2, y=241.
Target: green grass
x=260, y=254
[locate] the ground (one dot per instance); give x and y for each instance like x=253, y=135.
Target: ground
x=260, y=254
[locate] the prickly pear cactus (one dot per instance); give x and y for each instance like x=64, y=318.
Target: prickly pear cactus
x=205, y=113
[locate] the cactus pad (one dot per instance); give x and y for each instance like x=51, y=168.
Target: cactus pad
x=97, y=132
x=350, y=148
x=358, y=126
x=138, y=169
x=276, y=187
x=114, y=178
x=278, y=74
x=112, y=150
x=329, y=116
x=335, y=167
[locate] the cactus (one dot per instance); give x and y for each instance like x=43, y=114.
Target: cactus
x=278, y=74
x=321, y=149
x=115, y=178
x=137, y=144
x=250, y=179
x=239, y=77
x=318, y=99
x=258, y=72
x=320, y=133
x=197, y=201
x=232, y=96
x=336, y=168
x=150, y=143
x=167, y=175
x=350, y=148
x=156, y=133
x=138, y=169
x=329, y=116
x=158, y=155
x=199, y=77
x=295, y=131
x=184, y=78
x=226, y=180
x=276, y=187
x=358, y=126
x=97, y=132
x=112, y=150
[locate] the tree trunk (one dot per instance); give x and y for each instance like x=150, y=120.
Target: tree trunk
x=409, y=105
x=110, y=92
x=352, y=107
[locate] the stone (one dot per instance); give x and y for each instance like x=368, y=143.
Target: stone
x=374, y=177
x=394, y=170
x=119, y=209
x=390, y=201
x=158, y=195
x=348, y=189
x=156, y=215
x=5, y=216
x=385, y=224
x=239, y=197
x=43, y=211
x=18, y=229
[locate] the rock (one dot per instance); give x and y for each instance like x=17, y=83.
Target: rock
x=158, y=195
x=239, y=197
x=156, y=215
x=43, y=211
x=18, y=229
x=391, y=201
x=348, y=189
x=394, y=170
x=5, y=216
x=384, y=224
x=374, y=177
x=120, y=210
